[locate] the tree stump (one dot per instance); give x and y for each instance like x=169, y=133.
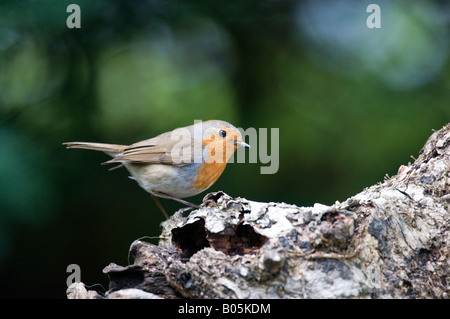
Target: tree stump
x=392, y=240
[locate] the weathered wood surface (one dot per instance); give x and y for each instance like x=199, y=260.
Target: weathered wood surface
x=392, y=240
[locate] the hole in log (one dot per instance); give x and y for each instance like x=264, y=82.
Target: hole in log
x=241, y=239
x=245, y=240
x=190, y=238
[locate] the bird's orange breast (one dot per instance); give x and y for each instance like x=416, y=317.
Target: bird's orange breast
x=211, y=169
x=208, y=173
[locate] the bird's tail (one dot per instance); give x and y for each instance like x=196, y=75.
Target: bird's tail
x=110, y=149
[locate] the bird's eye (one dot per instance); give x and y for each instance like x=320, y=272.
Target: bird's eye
x=222, y=133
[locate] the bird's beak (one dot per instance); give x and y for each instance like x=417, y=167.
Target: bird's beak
x=241, y=144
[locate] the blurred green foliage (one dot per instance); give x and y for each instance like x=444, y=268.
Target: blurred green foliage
x=352, y=104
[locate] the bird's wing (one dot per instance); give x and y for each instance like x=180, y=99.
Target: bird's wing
x=172, y=148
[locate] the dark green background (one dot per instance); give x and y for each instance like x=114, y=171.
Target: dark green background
x=351, y=103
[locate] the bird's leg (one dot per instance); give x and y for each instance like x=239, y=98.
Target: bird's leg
x=160, y=206
x=163, y=195
x=182, y=210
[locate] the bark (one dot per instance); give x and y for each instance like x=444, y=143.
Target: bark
x=392, y=240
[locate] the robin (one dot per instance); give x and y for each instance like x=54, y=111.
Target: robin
x=176, y=164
